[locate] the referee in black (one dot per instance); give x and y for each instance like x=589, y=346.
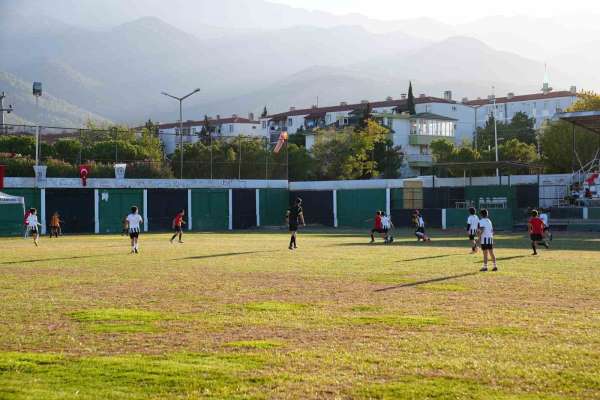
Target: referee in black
x=294, y=218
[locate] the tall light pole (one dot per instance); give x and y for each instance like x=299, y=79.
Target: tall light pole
x=180, y=100
x=495, y=129
x=3, y=110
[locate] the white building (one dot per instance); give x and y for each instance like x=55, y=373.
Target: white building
x=219, y=127
x=540, y=106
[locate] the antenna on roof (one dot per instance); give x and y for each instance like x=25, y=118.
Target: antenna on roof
x=546, y=86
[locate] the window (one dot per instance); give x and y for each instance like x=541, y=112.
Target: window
x=290, y=122
x=230, y=128
x=264, y=124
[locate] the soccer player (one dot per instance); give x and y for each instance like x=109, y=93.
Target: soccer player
x=134, y=220
x=25, y=224
x=536, y=232
x=295, y=217
x=32, y=225
x=472, y=227
x=55, y=222
x=377, y=226
x=546, y=220
x=486, y=236
x=419, y=224
x=387, y=225
x=178, y=223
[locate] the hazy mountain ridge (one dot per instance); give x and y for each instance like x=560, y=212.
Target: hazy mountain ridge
x=115, y=57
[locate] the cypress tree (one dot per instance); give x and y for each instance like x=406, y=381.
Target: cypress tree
x=264, y=113
x=410, y=102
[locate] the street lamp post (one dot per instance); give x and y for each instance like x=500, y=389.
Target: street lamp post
x=180, y=100
x=495, y=130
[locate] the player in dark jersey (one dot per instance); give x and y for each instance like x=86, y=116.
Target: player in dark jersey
x=177, y=224
x=536, y=232
x=295, y=217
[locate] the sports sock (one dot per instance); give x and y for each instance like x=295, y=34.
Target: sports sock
x=533, y=247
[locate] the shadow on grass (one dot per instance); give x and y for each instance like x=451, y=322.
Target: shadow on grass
x=224, y=255
x=52, y=259
x=413, y=284
x=431, y=257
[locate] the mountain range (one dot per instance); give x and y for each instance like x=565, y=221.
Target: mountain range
x=110, y=60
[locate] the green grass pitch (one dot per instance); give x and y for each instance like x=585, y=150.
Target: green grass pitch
x=239, y=316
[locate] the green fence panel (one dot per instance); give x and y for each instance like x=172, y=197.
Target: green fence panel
x=456, y=217
x=474, y=193
x=396, y=198
x=594, y=213
x=502, y=218
x=273, y=204
x=210, y=209
x=11, y=215
x=114, y=205
x=11, y=219
x=356, y=208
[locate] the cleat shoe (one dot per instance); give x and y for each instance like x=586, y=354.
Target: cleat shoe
x=495, y=269
x=484, y=269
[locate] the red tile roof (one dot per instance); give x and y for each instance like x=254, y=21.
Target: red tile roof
x=351, y=107
x=211, y=121
x=524, y=97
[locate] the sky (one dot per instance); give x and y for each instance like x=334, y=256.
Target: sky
x=455, y=11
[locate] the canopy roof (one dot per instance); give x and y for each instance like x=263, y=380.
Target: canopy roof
x=586, y=119
x=8, y=199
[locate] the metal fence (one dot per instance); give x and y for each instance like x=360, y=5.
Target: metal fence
x=62, y=150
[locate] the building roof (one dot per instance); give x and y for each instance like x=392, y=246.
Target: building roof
x=586, y=119
x=524, y=97
x=424, y=115
x=351, y=107
x=211, y=121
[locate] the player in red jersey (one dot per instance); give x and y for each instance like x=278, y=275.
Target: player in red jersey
x=178, y=223
x=536, y=231
x=378, y=226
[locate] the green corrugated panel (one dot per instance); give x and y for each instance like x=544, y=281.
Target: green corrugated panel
x=273, y=204
x=474, y=193
x=456, y=217
x=210, y=209
x=502, y=218
x=594, y=213
x=11, y=216
x=396, y=199
x=356, y=208
x=114, y=205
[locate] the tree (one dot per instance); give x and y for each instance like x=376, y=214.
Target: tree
x=68, y=150
x=389, y=158
x=363, y=116
x=444, y=151
x=556, y=142
x=521, y=127
x=264, y=113
x=586, y=101
x=205, y=131
x=410, y=101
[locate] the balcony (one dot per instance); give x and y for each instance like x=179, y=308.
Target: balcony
x=425, y=140
x=419, y=160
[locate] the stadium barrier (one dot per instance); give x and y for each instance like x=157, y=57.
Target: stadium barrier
x=213, y=205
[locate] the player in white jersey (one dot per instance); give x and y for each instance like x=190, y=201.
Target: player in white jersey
x=419, y=224
x=134, y=221
x=33, y=225
x=486, y=238
x=472, y=228
x=546, y=220
x=387, y=225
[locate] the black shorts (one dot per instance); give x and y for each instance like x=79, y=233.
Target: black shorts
x=546, y=228
x=33, y=230
x=134, y=235
x=487, y=246
x=178, y=229
x=536, y=237
x=420, y=230
x=377, y=230
x=472, y=236
x=293, y=227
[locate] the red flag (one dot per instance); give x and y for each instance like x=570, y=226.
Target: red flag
x=283, y=136
x=84, y=171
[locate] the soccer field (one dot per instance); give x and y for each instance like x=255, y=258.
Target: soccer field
x=238, y=315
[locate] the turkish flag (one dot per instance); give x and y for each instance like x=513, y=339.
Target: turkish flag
x=84, y=172
x=2, y=169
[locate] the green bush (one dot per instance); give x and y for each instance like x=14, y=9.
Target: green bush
x=23, y=145
x=60, y=169
x=148, y=170
x=18, y=166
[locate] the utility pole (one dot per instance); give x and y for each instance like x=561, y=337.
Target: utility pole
x=495, y=130
x=4, y=110
x=37, y=93
x=180, y=100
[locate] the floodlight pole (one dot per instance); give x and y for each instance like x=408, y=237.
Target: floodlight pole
x=180, y=100
x=495, y=130
x=3, y=110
